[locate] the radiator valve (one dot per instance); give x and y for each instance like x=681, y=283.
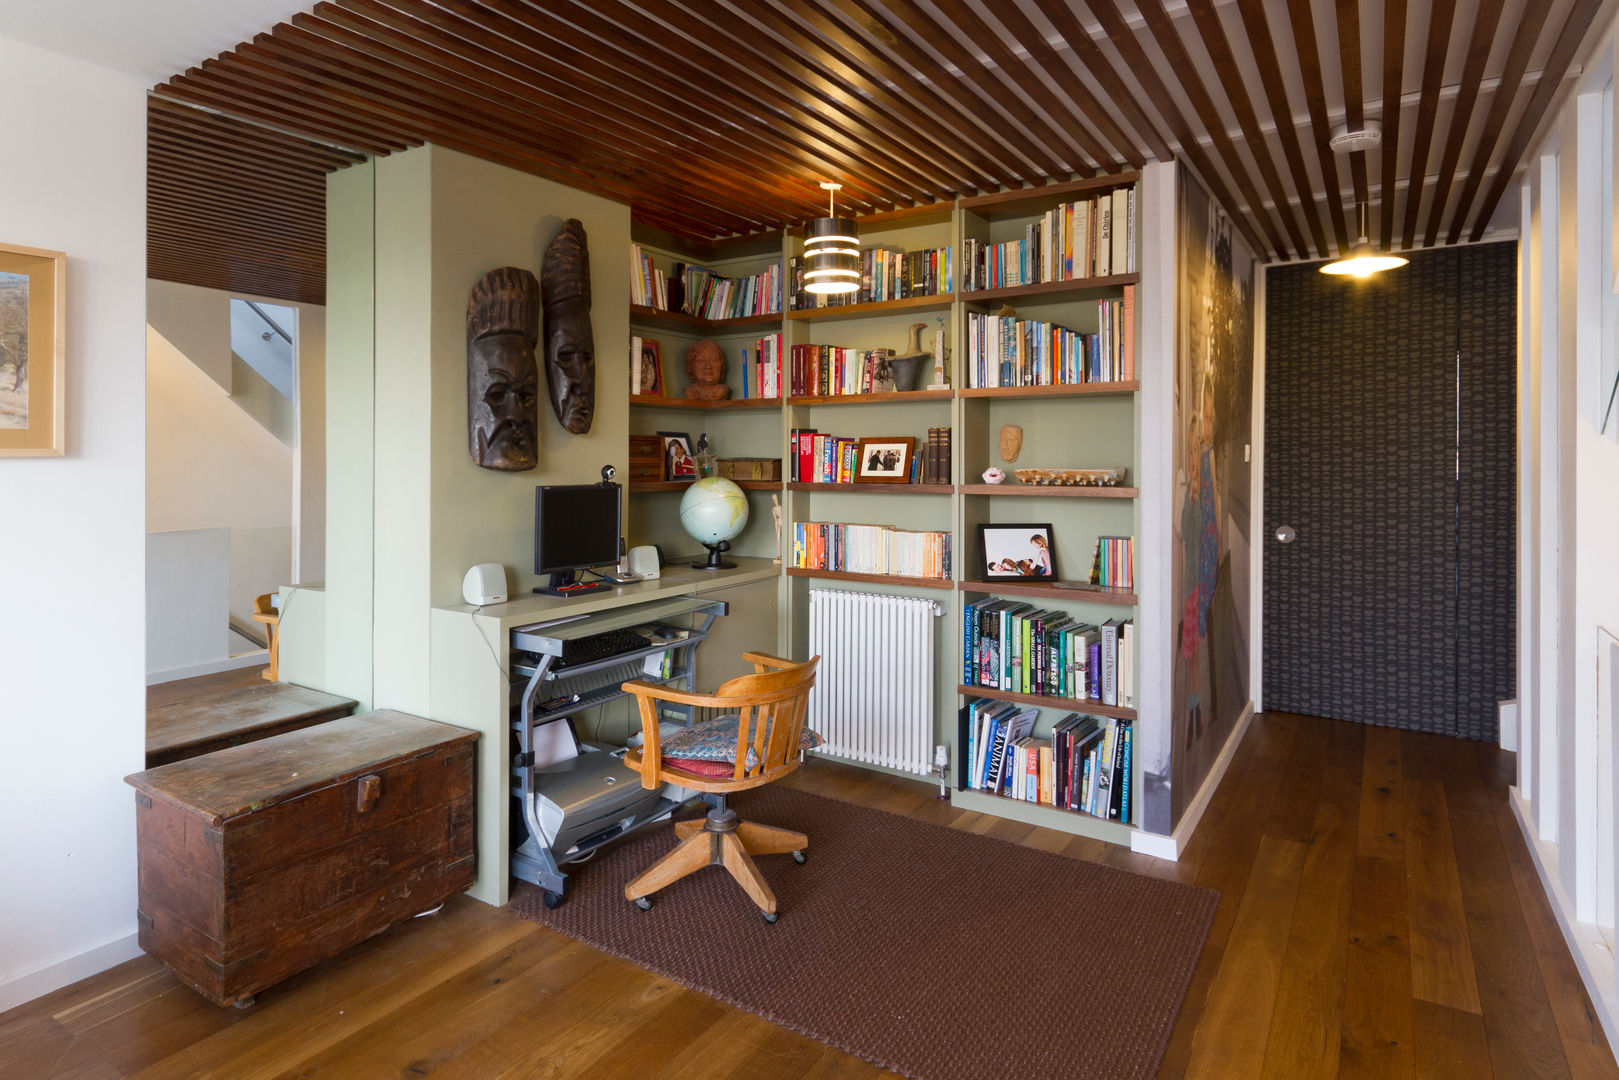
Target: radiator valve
x=941, y=769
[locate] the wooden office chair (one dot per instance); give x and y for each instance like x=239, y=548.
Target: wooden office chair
x=759, y=742
x=265, y=612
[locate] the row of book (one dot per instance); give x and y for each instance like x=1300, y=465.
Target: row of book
x=1093, y=237
x=648, y=286
x=1014, y=646
x=1084, y=765
x=762, y=368
x=892, y=274
x=1113, y=562
x=871, y=549
x=818, y=458
x=711, y=296
x=1004, y=350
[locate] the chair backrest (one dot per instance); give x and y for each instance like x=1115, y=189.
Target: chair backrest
x=772, y=706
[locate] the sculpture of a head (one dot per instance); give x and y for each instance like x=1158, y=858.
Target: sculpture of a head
x=503, y=317
x=570, y=353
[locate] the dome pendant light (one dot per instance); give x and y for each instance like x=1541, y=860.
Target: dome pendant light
x=1364, y=260
x=831, y=251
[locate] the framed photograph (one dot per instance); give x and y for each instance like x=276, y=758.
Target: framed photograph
x=33, y=325
x=885, y=460
x=678, y=464
x=651, y=368
x=1018, y=552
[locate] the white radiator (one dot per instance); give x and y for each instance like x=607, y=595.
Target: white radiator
x=873, y=695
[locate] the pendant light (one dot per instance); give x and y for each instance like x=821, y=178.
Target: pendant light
x=1364, y=260
x=831, y=251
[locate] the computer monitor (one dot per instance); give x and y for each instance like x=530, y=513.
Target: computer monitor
x=576, y=526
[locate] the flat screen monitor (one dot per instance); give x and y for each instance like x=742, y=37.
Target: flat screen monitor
x=576, y=526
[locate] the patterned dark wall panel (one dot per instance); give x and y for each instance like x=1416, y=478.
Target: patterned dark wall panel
x=1364, y=613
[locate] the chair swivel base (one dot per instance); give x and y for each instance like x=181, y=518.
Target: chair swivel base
x=719, y=839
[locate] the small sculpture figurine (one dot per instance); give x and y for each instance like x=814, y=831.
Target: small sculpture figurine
x=992, y=475
x=705, y=367
x=503, y=324
x=908, y=364
x=775, y=512
x=1011, y=442
x=570, y=351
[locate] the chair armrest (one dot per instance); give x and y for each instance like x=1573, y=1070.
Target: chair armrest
x=763, y=662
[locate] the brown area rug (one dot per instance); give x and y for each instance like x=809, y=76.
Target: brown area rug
x=936, y=953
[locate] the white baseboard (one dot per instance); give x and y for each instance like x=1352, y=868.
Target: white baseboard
x=1170, y=847
x=1591, y=953
x=257, y=658
x=38, y=983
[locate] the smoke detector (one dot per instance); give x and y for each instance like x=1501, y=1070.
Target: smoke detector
x=1368, y=136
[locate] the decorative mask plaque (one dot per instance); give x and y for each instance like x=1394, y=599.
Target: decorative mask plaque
x=503, y=317
x=570, y=352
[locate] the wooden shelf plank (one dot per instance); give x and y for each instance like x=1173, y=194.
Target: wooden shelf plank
x=1089, y=594
x=1053, y=817
x=880, y=307
x=1049, y=288
x=871, y=489
x=1020, y=201
x=876, y=579
x=1090, y=708
x=898, y=397
x=1129, y=386
x=655, y=401
x=638, y=487
x=679, y=320
x=1050, y=490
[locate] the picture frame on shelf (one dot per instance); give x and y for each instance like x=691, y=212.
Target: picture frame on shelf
x=678, y=462
x=1017, y=552
x=651, y=369
x=33, y=328
x=885, y=459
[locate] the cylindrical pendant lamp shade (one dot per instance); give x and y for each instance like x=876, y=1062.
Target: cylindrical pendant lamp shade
x=832, y=256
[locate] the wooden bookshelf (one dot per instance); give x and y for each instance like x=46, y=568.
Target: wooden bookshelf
x=871, y=489
x=898, y=397
x=1128, y=386
x=679, y=321
x=657, y=401
x=874, y=579
x=1073, y=288
x=1095, y=491
x=638, y=487
x=1052, y=590
x=1089, y=708
x=939, y=302
x=1024, y=202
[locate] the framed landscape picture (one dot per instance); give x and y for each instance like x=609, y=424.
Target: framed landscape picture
x=885, y=460
x=1017, y=552
x=33, y=325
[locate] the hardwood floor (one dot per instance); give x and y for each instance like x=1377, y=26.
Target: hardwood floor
x=1381, y=918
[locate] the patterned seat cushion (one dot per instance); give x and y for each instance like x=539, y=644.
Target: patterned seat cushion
x=709, y=748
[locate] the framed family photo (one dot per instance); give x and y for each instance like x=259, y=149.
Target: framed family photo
x=885, y=460
x=651, y=361
x=1018, y=552
x=678, y=464
x=33, y=325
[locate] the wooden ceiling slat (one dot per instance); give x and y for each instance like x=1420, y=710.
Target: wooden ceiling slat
x=1354, y=96
x=177, y=117
x=220, y=171
x=1257, y=25
x=1524, y=37
x=1433, y=69
x=1393, y=91
x=1568, y=41
x=195, y=91
x=1315, y=99
x=1487, y=19
x=1174, y=50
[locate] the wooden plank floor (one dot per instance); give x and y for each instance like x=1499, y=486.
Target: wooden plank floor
x=1381, y=918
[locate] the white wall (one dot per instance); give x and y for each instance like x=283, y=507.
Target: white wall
x=187, y=601
x=1568, y=474
x=74, y=535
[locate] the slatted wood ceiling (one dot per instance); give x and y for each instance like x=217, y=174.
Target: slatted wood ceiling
x=714, y=118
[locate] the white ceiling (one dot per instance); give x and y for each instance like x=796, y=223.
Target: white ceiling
x=149, y=39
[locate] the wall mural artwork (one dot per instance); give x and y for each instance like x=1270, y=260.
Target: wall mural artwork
x=1211, y=586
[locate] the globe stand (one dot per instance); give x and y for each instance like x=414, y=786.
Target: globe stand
x=714, y=561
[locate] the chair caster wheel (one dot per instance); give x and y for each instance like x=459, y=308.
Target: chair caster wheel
x=770, y=916
x=553, y=900
x=644, y=903
x=800, y=858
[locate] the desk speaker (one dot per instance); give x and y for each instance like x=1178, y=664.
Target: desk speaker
x=484, y=584
x=644, y=561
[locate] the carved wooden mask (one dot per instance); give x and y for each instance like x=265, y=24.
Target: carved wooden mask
x=570, y=352
x=503, y=316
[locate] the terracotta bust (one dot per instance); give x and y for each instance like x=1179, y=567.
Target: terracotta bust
x=570, y=352
x=503, y=319
x=705, y=367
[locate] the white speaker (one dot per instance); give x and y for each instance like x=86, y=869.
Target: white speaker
x=484, y=584
x=644, y=561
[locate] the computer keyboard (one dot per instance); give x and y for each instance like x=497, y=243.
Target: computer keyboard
x=585, y=650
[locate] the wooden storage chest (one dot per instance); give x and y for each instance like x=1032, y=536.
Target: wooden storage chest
x=261, y=860
x=201, y=725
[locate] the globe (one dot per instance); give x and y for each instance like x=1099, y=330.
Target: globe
x=714, y=512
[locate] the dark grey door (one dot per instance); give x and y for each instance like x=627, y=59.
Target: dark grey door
x=1389, y=493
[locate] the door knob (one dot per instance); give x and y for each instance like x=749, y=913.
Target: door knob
x=1285, y=534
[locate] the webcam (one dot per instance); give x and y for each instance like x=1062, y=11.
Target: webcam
x=608, y=472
